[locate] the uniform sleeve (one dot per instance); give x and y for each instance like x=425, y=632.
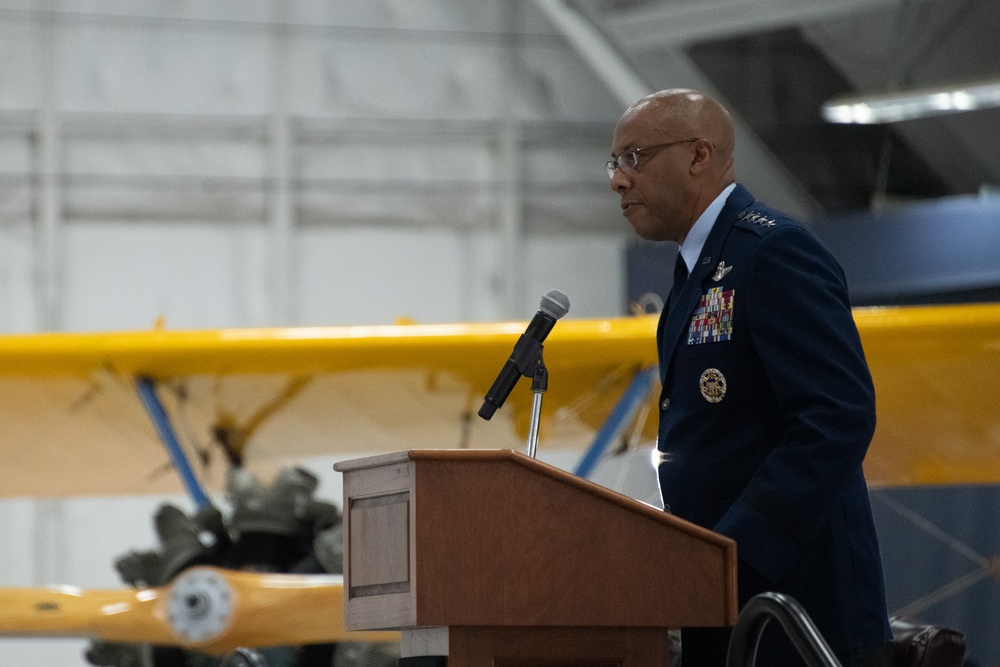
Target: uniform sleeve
x=804, y=332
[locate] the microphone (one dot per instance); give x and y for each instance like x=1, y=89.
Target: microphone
x=527, y=351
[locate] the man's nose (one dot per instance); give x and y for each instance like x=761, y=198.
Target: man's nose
x=619, y=181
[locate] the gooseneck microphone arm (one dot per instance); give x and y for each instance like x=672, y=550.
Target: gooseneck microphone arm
x=527, y=352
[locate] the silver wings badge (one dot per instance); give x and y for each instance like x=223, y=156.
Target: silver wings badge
x=720, y=271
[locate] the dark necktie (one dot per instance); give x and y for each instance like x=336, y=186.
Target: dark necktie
x=680, y=277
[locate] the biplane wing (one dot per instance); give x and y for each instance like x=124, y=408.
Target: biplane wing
x=74, y=422
x=938, y=418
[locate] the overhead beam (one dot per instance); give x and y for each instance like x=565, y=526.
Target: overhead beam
x=667, y=24
x=602, y=53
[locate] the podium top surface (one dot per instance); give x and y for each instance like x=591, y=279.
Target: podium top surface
x=539, y=467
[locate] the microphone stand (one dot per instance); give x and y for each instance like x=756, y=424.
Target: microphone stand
x=539, y=383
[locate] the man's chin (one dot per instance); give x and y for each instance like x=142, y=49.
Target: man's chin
x=649, y=229
x=645, y=230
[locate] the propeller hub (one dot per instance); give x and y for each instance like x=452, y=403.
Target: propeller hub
x=200, y=605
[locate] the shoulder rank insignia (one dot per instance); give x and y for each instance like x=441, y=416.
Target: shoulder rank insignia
x=720, y=271
x=757, y=219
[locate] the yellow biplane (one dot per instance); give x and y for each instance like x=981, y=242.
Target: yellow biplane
x=99, y=414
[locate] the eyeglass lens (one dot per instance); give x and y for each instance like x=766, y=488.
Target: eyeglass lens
x=626, y=161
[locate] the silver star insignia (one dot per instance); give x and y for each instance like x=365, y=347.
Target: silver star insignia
x=720, y=271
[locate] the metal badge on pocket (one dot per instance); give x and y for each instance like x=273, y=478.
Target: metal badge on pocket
x=713, y=385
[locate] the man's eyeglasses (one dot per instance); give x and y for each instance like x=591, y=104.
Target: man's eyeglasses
x=629, y=160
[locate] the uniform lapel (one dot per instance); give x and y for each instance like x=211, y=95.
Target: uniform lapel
x=675, y=324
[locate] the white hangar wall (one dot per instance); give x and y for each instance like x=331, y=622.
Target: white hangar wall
x=278, y=163
x=240, y=163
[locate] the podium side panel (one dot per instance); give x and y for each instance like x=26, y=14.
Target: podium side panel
x=379, y=578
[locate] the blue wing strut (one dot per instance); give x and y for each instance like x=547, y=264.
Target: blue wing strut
x=147, y=392
x=623, y=412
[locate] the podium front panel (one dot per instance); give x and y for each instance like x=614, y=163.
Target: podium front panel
x=492, y=538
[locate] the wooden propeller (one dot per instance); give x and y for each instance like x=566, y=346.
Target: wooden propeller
x=207, y=609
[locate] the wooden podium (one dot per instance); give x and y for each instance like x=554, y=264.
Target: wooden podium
x=495, y=559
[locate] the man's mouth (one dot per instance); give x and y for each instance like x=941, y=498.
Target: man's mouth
x=629, y=206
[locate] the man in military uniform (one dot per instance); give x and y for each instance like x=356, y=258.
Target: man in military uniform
x=767, y=407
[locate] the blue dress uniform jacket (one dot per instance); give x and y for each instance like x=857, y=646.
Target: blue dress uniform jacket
x=767, y=411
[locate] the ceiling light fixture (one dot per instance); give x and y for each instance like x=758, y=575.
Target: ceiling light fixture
x=906, y=105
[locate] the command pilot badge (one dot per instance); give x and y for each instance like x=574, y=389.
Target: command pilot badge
x=713, y=385
x=720, y=271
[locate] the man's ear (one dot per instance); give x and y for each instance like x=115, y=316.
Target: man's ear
x=702, y=156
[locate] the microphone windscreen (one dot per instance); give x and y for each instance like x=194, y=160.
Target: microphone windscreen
x=555, y=303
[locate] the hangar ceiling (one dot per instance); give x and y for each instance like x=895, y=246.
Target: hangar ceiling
x=776, y=61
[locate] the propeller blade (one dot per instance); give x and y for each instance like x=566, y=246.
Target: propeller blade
x=208, y=609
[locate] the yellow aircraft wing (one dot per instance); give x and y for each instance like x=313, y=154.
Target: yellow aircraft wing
x=938, y=415
x=73, y=422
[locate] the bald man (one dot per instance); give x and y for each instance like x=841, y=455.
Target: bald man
x=767, y=406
